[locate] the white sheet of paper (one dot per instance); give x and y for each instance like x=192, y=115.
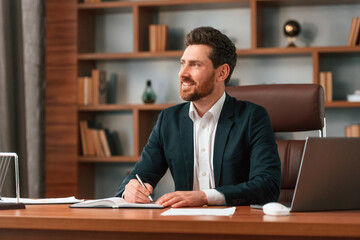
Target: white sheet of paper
x=42, y=200
x=199, y=211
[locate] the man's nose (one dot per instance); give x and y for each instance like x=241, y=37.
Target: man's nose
x=183, y=72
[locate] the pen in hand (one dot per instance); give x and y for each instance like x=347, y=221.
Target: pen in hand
x=142, y=184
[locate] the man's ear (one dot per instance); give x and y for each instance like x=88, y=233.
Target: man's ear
x=223, y=72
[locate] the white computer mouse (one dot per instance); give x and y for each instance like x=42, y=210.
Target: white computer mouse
x=276, y=209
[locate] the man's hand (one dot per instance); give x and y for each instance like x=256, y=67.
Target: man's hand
x=183, y=199
x=135, y=193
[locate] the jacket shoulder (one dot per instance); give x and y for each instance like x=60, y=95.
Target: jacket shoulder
x=177, y=109
x=244, y=106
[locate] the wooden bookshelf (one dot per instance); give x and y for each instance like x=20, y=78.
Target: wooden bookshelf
x=342, y=104
x=124, y=107
x=70, y=52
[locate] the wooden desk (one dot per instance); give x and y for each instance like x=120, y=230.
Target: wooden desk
x=62, y=222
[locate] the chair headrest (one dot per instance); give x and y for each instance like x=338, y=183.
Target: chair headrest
x=291, y=107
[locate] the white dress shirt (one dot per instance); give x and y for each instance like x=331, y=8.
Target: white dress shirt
x=204, y=138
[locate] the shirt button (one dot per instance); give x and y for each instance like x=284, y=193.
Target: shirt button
x=203, y=126
x=203, y=150
x=203, y=174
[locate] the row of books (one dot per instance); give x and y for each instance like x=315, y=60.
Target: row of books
x=352, y=130
x=326, y=81
x=158, y=37
x=354, y=35
x=96, y=141
x=92, y=89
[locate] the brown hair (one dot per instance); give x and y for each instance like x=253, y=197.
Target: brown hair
x=223, y=49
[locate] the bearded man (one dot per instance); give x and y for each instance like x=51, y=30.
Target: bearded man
x=220, y=151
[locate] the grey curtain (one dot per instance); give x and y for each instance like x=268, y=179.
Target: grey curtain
x=22, y=91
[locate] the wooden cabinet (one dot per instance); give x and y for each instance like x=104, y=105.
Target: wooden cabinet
x=73, y=49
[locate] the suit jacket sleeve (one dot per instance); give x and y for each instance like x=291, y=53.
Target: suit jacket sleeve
x=152, y=164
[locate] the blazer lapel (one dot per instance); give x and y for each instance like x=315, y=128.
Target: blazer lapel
x=222, y=132
x=186, y=134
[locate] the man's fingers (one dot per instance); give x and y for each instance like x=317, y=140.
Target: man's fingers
x=136, y=193
x=169, y=199
x=164, y=199
x=183, y=199
x=149, y=187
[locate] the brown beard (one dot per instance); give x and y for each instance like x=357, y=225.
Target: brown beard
x=201, y=91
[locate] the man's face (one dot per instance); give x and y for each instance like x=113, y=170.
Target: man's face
x=197, y=73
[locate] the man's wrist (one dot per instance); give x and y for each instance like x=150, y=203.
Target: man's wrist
x=214, y=197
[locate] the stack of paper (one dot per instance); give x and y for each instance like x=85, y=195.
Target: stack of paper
x=199, y=211
x=354, y=97
x=29, y=201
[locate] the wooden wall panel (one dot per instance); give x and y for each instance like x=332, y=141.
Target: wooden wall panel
x=61, y=85
x=61, y=147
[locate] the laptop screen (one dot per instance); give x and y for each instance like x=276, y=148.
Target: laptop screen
x=329, y=175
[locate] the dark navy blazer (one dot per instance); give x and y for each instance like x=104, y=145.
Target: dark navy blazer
x=246, y=162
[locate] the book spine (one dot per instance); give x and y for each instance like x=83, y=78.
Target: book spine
x=352, y=130
x=95, y=137
x=152, y=38
x=102, y=91
x=90, y=141
x=352, y=31
x=95, y=79
x=355, y=40
x=81, y=90
x=329, y=86
x=322, y=83
x=84, y=144
x=104, y=143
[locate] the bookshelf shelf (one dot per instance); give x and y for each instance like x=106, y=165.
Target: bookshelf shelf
x=207, y=4
x=124, y=107
x=72, y=51
x=132, y=55
x=305, y=2
x=342, y=104
x=240, y=53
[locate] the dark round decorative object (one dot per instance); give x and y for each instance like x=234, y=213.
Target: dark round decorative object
x=291, y=30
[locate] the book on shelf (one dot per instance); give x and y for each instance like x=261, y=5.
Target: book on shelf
x=87, y=143
x=326, y=81
x=111, y=86
x=104, y=141
x=83, y=137
x=354, y=35
x=113, y=202
x=114, y=142
x=92, y=90
x=99, y=152
x=352, y=130
x=99, y=89
x=95, y=141
x=158, y=37
x=85, y=87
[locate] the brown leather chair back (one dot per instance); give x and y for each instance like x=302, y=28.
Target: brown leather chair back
x=292, y=108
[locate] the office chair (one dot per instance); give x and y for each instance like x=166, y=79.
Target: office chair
x=291, y=108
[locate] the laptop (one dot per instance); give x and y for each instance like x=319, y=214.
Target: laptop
x=329, y=176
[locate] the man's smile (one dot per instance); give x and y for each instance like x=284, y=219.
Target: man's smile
x=187, y=84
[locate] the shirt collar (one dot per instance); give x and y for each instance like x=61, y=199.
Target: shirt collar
x=215, y=110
